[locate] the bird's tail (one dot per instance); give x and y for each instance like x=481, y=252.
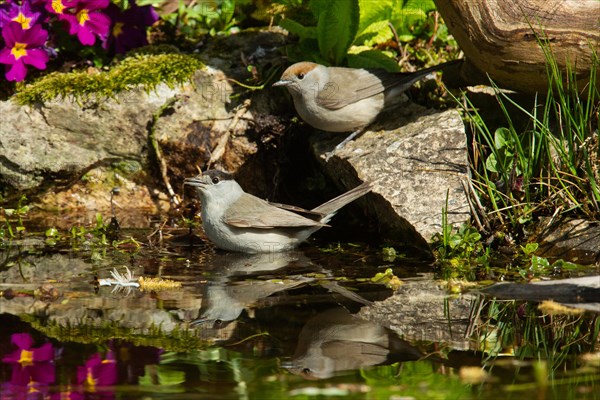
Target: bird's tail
x=332, y=206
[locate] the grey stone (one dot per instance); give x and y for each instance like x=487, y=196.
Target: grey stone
x=417, y=159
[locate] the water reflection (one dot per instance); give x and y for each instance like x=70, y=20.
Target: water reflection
x=239, y=281
x=254, y=315
x=335, y=341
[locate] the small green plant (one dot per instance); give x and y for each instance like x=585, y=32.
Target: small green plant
x=197, y=18
x=462, y=243
x=13, y=219
x=346, y=31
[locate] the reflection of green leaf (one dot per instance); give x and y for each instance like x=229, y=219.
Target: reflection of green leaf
x=170, y=379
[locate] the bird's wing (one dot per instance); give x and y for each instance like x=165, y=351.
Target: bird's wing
x=251, y=212
x=338, y=93
x=367, y=353
x=314, y=215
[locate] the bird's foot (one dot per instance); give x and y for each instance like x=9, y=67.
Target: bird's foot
x=342, y=144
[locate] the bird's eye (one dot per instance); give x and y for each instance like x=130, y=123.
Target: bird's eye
x=215, y=180
x=306, y=371
x=300, y=76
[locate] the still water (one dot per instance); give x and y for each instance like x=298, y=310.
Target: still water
x=308, y=324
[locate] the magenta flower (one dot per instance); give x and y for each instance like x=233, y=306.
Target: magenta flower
x=87, y=20
x=98, y=372
x=26, y=354
x=128, y=29
x=58, y=7
x=22, y=47
x=22, y=14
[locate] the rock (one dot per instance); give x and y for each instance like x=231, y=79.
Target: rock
x=46, y=149
x=575, y=240
x=417, y=159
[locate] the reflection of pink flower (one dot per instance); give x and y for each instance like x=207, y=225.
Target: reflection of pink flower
x=26, y=354
x=67, y=395
x=98, y=372
x=32, y=367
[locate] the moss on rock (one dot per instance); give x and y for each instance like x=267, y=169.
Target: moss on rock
x=148, y=68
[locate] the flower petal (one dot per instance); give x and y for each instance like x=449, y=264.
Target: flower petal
x=38, y=58
x=46, y=351
x=35, y=36
x=23, y=341
x=11, y=32
x=86, y=37
x=6, y=56
x=16, y=72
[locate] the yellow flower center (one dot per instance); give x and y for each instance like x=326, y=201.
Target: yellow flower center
x=90, y=381
x=23, y=20
x=26, y=355
x=58, y=6
x=117, y=29
x=83, y=16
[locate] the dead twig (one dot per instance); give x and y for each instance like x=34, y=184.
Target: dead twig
x=219, y=149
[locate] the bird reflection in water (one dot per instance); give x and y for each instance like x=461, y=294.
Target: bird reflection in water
x=335, y=341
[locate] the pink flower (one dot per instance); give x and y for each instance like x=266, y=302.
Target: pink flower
x=87, y=20
x=23, y=46
x=23, y=14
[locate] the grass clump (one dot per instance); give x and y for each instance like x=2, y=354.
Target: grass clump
x=552, y=166
x=547, y=166
x=143, y=68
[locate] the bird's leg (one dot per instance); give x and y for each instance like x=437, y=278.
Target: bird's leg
x=343, y=143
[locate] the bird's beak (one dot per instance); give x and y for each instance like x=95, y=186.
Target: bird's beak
x=196, y=182
x=282, y=82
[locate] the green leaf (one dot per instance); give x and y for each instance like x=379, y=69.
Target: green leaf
x=529, y=248
x=539, y=263
x=51, y=232
x=407, y=13
x=491, y=163
x=374, y=12
x=336, y=28
x=372, y=59
x=317, y=7
x=377, y=32
x=304, y=32
x=502, y=138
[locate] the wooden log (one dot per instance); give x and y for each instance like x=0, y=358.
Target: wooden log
x=498, y=37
